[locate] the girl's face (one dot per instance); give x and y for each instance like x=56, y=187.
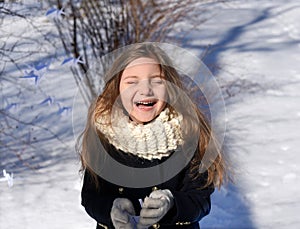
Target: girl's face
x=143, y=90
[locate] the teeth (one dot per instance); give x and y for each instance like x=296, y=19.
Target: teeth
x=145, y=103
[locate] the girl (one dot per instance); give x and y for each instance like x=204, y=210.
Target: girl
x=143, y=145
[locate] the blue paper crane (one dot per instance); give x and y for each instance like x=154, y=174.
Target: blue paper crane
x=49, y=100
x=31, y=74
x=41, y=65
x=58, y=12
x=63, y=109
x=73, y=60
x=37, y=70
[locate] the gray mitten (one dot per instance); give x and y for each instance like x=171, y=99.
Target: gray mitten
x=155, y=207
x=121, y=212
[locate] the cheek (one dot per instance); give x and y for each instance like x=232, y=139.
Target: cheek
x=161, y=93
x=126, y=97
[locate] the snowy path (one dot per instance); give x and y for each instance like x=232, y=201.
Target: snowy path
x=256, y=44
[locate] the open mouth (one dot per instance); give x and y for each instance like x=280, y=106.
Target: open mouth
x=145, y=103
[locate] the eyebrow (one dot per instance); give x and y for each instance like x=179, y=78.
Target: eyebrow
x=127, y=77
x=152, y=76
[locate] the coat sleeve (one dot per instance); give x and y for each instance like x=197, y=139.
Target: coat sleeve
x=97, y=205
x=191, y=201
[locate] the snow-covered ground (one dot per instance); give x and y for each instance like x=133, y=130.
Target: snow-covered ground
x=257, y=45
x=254, y=53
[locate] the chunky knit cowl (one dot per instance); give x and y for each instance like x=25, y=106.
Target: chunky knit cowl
x=153, y=140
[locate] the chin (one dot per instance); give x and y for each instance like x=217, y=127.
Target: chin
x=143, y=118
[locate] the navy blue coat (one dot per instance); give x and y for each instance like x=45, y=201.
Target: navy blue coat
x=191, y=202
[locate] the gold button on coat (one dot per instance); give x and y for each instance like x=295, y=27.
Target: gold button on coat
x=156, y=226
x=154, y=188
x=103, y=226
x=121, y=190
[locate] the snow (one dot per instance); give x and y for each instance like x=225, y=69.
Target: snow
x=257, y=49
x=254, y=54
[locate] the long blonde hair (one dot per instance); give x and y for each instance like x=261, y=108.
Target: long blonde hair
x=104, y=105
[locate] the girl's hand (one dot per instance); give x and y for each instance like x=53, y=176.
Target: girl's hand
x=121, y=212
x=155, y=207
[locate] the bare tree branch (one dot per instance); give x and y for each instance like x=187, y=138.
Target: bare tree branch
x=92, y=28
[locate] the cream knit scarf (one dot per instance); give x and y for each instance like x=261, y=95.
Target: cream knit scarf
x=153, y=140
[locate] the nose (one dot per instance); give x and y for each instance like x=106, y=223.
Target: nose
x=145, y=88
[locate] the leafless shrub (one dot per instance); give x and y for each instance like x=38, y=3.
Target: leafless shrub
x=89, y=29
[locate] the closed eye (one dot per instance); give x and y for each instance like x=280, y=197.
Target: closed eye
x=131, y=82
x=157, y=80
